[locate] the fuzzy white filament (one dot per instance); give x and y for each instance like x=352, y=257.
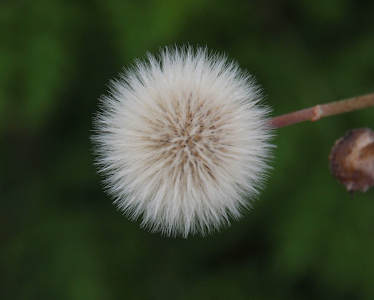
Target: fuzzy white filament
x=183, y=141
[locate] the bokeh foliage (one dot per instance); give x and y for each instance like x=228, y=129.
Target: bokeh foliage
x=61, y=238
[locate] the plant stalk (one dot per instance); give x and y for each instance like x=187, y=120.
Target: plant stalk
x=324, y=110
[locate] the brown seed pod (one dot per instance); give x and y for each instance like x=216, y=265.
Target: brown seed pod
x=352, y=160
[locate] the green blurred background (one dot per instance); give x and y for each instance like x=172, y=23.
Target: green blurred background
x=61, y=237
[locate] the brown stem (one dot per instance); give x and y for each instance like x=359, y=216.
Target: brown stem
x=319, y=111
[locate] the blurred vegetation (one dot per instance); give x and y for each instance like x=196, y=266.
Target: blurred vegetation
x=61, y=238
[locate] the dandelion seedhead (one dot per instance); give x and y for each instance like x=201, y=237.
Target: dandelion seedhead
x=183, y=141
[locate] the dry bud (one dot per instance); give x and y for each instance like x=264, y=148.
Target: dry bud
x=352, y=159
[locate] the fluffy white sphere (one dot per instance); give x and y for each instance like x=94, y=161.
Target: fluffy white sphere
x=183, y=141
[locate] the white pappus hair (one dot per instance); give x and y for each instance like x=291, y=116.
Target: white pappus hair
x=183, y=141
